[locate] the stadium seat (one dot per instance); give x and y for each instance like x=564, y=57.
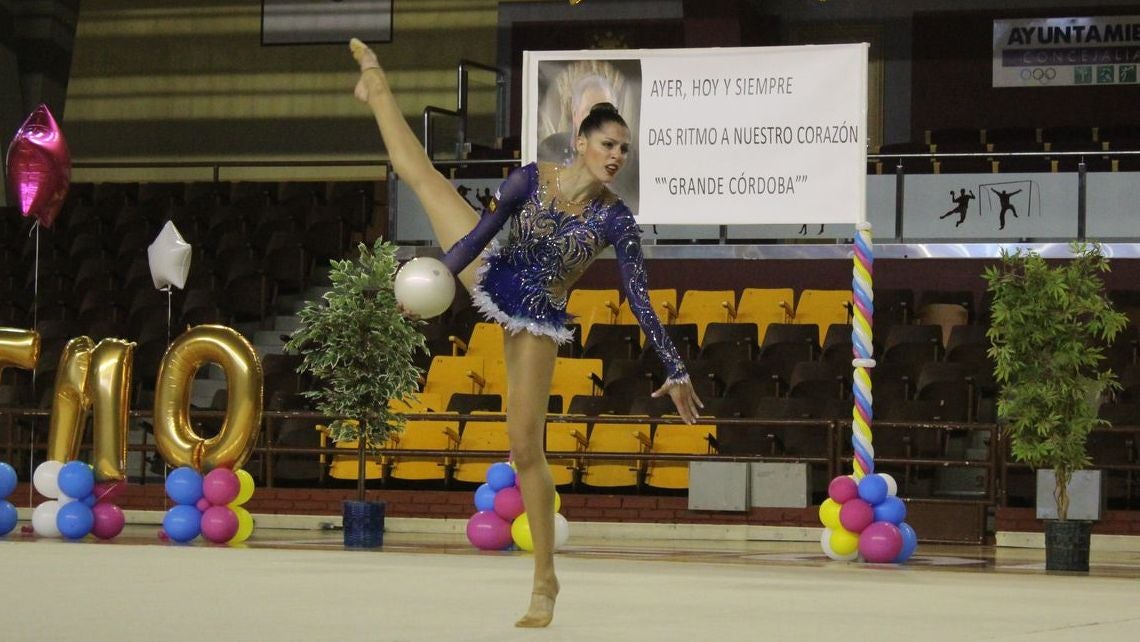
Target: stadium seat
x=592, y=306
x=695, y=439
x=823, y=308
x=703, y=307
x=614, y=438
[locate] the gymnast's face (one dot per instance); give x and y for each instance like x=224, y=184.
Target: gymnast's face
x=604, y=151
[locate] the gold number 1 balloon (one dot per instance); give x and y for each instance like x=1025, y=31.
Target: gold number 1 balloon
x=96, y=376
x=175, y=437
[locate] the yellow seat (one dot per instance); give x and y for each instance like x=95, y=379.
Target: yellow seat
x=495, y=378
x=573, y=377
x=703, y=307
x=449, y=375
x=677, y=439
x=614, y=438
x=764, y=307
x=477, y=436
x=592, y=306
x=417, y=402
x=945, y=315
x=421, y=434
x=664, y=303
x=823, y=308
x=348, y=466
x=564, y=438
x=486, y=341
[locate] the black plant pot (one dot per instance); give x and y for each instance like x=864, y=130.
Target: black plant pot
x=1067, y=545
x=363, y=524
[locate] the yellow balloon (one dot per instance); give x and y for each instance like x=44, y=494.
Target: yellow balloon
x=557, y=502
x=829, y=513
x=520, y=532
x=843, y=541
x=245, y=525
x=245, y=488
x=174, y=436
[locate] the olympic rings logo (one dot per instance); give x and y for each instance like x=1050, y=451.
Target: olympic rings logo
x=1043, y=75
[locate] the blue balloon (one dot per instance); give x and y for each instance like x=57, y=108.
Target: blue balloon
x=184, y=486
x=500, y=475
x=74, y=520
x=8, y=517
x=7, y=479
x=872, y=489
x=910, y=542
x=90, y=500
x=485, y=498
x=182, y=523
x=76, y=479
x=891, y=509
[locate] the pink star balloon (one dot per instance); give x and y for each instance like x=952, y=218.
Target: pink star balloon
x=39, y=167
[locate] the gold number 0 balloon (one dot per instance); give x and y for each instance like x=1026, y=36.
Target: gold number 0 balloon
x=177, y=442
x=98, y=375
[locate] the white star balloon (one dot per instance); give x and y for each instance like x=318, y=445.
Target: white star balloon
x=169, y=257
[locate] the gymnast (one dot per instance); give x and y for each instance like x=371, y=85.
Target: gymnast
x=560, y=218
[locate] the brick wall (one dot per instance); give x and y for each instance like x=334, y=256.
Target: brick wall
x=1114, y=522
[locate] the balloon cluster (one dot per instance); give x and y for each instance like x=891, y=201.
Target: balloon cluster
x=77, y=506
x=865, y=518
x=8, y=515
x=210, y=505
x=501, y=519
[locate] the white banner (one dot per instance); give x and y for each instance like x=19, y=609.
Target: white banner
x=720, y=136
x=1051, y=52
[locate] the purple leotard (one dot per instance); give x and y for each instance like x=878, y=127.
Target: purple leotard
x=524, y=285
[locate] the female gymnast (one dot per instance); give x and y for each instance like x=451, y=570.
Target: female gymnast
x=561, y=218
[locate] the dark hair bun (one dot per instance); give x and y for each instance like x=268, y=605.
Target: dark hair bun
x=604, y=108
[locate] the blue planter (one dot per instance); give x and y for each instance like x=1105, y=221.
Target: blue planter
x=363, y=524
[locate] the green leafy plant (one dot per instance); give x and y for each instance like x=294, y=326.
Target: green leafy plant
x=359, y=347
x=1047, y=326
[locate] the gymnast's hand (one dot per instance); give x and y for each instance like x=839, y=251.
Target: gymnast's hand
x=684, y=398
x=368, y=83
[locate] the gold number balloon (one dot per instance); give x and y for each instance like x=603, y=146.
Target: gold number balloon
x=100, y=376
x=19, y=348
x=175, y=437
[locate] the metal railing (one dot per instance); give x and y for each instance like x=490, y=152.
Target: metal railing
x=460, y=113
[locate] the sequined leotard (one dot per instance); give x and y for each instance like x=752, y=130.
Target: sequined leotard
x=524, y=285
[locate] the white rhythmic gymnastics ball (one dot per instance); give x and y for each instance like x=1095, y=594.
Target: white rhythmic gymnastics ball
x=424, y=287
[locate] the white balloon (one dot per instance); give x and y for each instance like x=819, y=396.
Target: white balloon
x=64, y=499
x=46, y=478
x=424, y=287
x=892, y=485
x=561, y=531
x=43, y=519
x=169, y=258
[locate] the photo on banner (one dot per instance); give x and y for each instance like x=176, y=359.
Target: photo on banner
x=568, y=89
x=724, y=136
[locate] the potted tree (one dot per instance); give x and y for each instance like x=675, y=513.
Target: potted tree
x=1048, y=323
x=360, y=350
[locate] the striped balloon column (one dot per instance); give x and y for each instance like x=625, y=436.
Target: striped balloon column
x=861, y=337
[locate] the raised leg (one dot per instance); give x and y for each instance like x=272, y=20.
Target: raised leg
x=450, y=215
x=530, y=366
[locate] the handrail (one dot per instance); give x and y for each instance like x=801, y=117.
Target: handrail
x=460, y=111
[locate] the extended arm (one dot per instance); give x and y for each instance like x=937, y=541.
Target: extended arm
x=508, y=200
x=626, y=239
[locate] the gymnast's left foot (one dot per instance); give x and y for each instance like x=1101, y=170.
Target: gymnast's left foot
x=541, y=611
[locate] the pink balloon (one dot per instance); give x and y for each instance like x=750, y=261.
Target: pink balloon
x=39, y=167
x=109, y=491
x=220, y=486
x=509, y=503
x=880, y=543
x=109, y=520
x=842, y=489
x=488, y=532
x=203, y=505
x=219, y=524
x=855, y=515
